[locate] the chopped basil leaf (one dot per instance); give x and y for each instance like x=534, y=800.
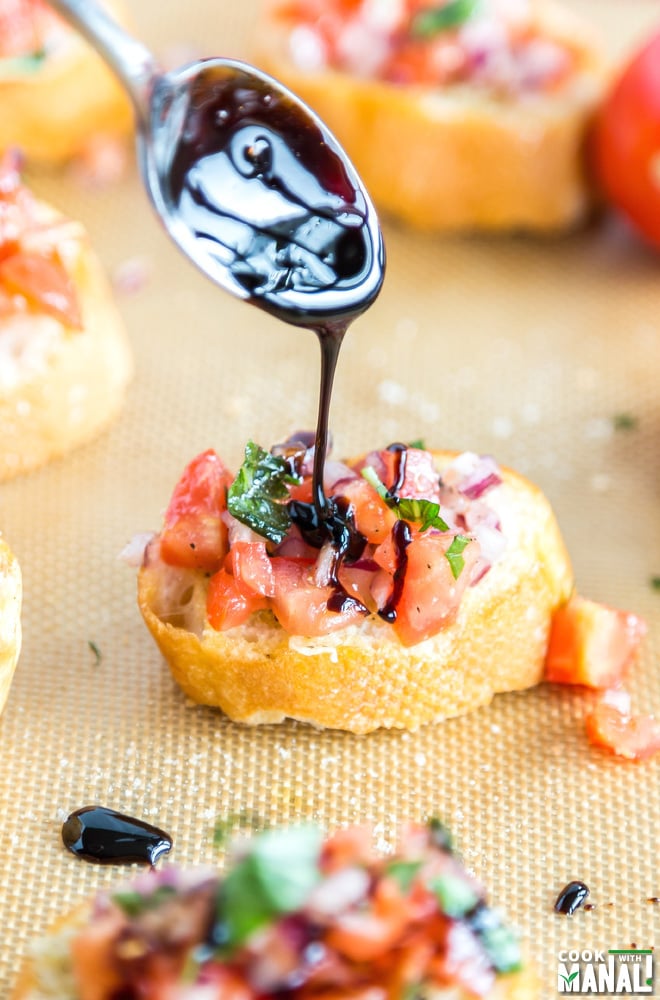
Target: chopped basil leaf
x=440, y=835
x=226, y=826
x=625, y=422
x=503, y=948
x=435, y=19
x=426, y=513
x=275, y=877
x=30, y=63
x=455, y=556
x=403, y=873
x=455, y=896
x=370, y=474
x=417, y=443
x=96, y=651
x=134, y=903
x=255, y=497
x=655, y=582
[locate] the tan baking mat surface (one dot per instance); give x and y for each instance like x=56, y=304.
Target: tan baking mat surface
x=527, y=350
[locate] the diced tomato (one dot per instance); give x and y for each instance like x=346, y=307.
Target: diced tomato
x=357, y=583
x=228, y=604
x=194, y=534
x=45, y=284
x=302, y=491
x=430, y=596
x=373, y=518
x=635, y=737
x=591, y=644
x=364, y=935
x=300, y=606
x=252, y=568
x=347, y=846
x=95, y=971
x=19, y=34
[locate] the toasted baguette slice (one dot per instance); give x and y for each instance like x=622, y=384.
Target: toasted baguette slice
x=60, y=386
x=332, y=889
x=51, y=109
x=10, y=619
x=362, y=677
x=458, y=157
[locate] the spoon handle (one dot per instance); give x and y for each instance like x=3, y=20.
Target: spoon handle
x=131, y=61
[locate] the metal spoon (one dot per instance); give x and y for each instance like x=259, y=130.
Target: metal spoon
x=247, y=180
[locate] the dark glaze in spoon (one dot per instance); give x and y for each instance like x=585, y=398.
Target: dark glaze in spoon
x=254, y=189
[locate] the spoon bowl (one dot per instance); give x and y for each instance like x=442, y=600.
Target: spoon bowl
x=247, y=180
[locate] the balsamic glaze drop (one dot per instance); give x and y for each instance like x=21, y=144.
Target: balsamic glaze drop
x=571, y=897
x=99, y=834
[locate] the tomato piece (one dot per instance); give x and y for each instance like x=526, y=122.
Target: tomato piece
x=95, y=969
x=365, y=935
x=300, y=606
x=430, y=596
x=635, y=737
x=373, y=518
x=45, y=283
x=228, y=604
x=591, y=644
x=194, y=534
x=19, y=33
x=252, y=568
x=626, y=142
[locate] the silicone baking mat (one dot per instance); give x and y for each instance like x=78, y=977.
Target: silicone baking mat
x=545, y=353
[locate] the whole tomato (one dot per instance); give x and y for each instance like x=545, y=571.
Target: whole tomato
x=626, y=142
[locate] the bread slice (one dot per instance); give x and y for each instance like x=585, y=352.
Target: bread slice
x=59, y=386
x=457, y=942
x=10, y=618
x=361, y=678
x=459, y=157
x=51, y=110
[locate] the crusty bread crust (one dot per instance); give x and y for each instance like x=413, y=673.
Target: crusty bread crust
x=456, y=158
x=76, y=384
x=362, y=678
x=51, y=112
x=10, y=619
x=523, y=985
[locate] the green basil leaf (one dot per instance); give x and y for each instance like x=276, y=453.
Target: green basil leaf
x=18, y=65
x=275, y=877
x=133, y=903
x=455, y=896
x=433, y=20
x=403, y=873
x=503, y=948
x=426, y=513
x=255, y=497
x=454, y=554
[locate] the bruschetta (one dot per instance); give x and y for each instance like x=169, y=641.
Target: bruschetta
x=458, y=115
x=433, y=590
x=65, y=360
x=55, y=91
x=293, y=916
x=10, y=618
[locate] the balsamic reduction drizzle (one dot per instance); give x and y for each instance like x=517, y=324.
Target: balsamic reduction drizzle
x=571, y=897
x=99, y=834
x=268, y=195
x=402, y=538
x=401, y=452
